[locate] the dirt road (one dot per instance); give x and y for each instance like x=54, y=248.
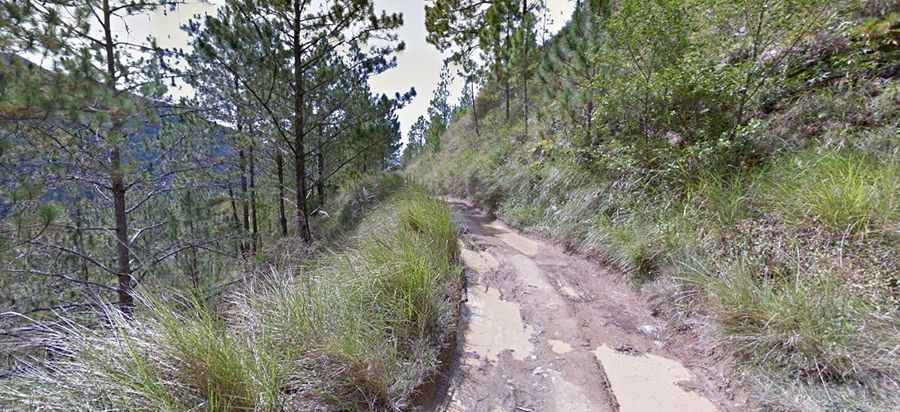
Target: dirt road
x=546, y=331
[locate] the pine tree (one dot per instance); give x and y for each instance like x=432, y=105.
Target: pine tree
x=87, y=105
x=502, y=30
x=415, y=143
x=496, y=38
x=439, y=111
x=572, y=68
x=301, y=34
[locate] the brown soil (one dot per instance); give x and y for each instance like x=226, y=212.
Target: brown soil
x=541, y=330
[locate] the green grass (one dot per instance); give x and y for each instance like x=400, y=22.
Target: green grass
x=808, y=325
x=630, y=244
x=167, y=359
x=845, y=191
x=354, y=329
x=721, y=197
x=357, y=197
x=802, y=342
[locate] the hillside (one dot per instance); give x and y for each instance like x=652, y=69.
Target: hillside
x=739, y=161
x=359, y=325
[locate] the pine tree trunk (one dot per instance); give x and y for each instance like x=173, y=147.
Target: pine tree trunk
x=320, y=183
x=525, y=64
x=299, y=128
x=474, y=108
x=508, y=95
x=123, y=262
x=253, y=211
x=282, y=216
x=245, y=209
x=234, y=213
x=117, y=181
x=506, y=69
x=195, y=268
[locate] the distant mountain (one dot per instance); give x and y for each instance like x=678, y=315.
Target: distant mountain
x=140, y=146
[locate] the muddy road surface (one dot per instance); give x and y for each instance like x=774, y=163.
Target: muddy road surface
x=542, y=330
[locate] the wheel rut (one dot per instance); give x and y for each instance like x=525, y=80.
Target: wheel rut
x=541, y=330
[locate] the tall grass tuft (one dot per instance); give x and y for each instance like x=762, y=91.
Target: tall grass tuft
x=809, y=325
x=845, y=191
x=724, y=199
x=162, y=360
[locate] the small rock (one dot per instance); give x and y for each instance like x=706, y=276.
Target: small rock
x=649, y=330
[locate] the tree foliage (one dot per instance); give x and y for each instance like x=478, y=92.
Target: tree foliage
x=109, y=184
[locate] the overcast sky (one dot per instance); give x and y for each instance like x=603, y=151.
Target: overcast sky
x=419, y=66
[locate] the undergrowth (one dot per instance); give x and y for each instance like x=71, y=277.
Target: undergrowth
x=845, y=191
x=359, y=328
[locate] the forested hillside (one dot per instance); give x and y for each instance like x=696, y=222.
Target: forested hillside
x=243, y=248
x=737, y=159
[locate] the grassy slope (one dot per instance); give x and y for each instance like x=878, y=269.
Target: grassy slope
x=356, y=329
x=794, y=257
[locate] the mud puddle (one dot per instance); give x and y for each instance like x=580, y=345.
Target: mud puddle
x=649, y=383
x=495, y=326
